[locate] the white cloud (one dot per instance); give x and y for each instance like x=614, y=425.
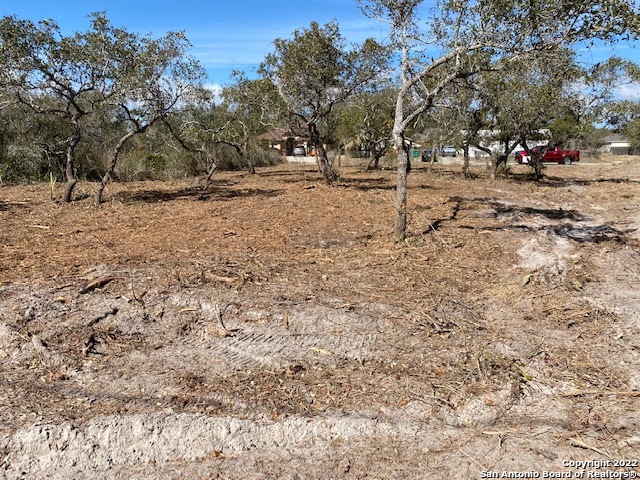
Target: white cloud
x=630, y=91
x=216, y=90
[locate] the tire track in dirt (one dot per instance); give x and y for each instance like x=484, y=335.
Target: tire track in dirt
x=308, y=334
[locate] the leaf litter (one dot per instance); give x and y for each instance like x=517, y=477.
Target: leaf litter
x=264, y=328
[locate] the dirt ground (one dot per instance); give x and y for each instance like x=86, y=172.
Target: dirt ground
x=271, y=328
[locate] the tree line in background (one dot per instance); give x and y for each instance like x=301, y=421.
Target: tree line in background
x=108, y=103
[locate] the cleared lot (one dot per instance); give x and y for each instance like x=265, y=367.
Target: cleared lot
x=271, y=327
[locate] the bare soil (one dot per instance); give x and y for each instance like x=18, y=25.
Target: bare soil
x=271, y=328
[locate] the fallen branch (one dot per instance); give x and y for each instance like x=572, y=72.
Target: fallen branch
x=578, y=393
x=97, y=283
x=95, y=320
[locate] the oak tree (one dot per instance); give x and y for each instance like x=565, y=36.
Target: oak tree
x=315, y=71
x=148, y=78
x=456, y=39
x=52, y=74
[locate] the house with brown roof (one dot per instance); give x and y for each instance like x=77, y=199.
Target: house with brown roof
x=284, y=140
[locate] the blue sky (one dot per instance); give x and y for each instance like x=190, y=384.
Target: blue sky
x=228, y=34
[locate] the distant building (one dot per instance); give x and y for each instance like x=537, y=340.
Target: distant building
x=285, y=141
x=618, y=145
x=488, y=140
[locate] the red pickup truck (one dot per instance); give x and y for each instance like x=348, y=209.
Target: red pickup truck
x=552, y=155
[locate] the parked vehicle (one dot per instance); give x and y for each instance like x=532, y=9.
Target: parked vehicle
x=551, y=155
x=522, y=156
x=299, y=151
x=449, y=151
x=426, y=155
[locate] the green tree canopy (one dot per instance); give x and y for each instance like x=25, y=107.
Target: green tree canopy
x=315, y=71
x=456, y=39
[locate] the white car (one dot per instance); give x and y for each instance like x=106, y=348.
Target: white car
x=449, y=151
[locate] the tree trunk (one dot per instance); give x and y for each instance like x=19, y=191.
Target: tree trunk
x=112, y=164
x=70, y=169
x=432, y=159
x=330, y=176
x=245, y=150
x=535, y=161
x=374, y=164
x=244, y=155
x=68, y=191
x=210, y=161
x=212, y=169
x=250, y=166
x=498, y=164
x=536, y=164
x=465, y=163
x=404, y=166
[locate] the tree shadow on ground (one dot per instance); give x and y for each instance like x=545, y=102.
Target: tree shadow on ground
x=231, y=193
x=565, y=182
x=591, y=233
x=579, y=234
x=299, y=177
x=572, y=231
x=218, y=191
x=504, y=210
x=296, y=175
x=157, y=196
x=501, y=209
x=365, y=184
x=381, y=183
x=559, y=182
x=289, y=173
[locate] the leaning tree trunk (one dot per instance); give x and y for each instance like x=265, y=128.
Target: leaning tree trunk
x=329, y=174
x=498, y=164
x=371, y=165
x=246, y=157
x=112, y=163
x=70, y=170
x=212, y=169
x=374, y=164
x=245, y=151
x=250, y=166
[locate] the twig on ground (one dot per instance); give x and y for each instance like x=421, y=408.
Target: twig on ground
x=576, y=442
x=578, y=393
x=484, y=469
x=219, y=329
